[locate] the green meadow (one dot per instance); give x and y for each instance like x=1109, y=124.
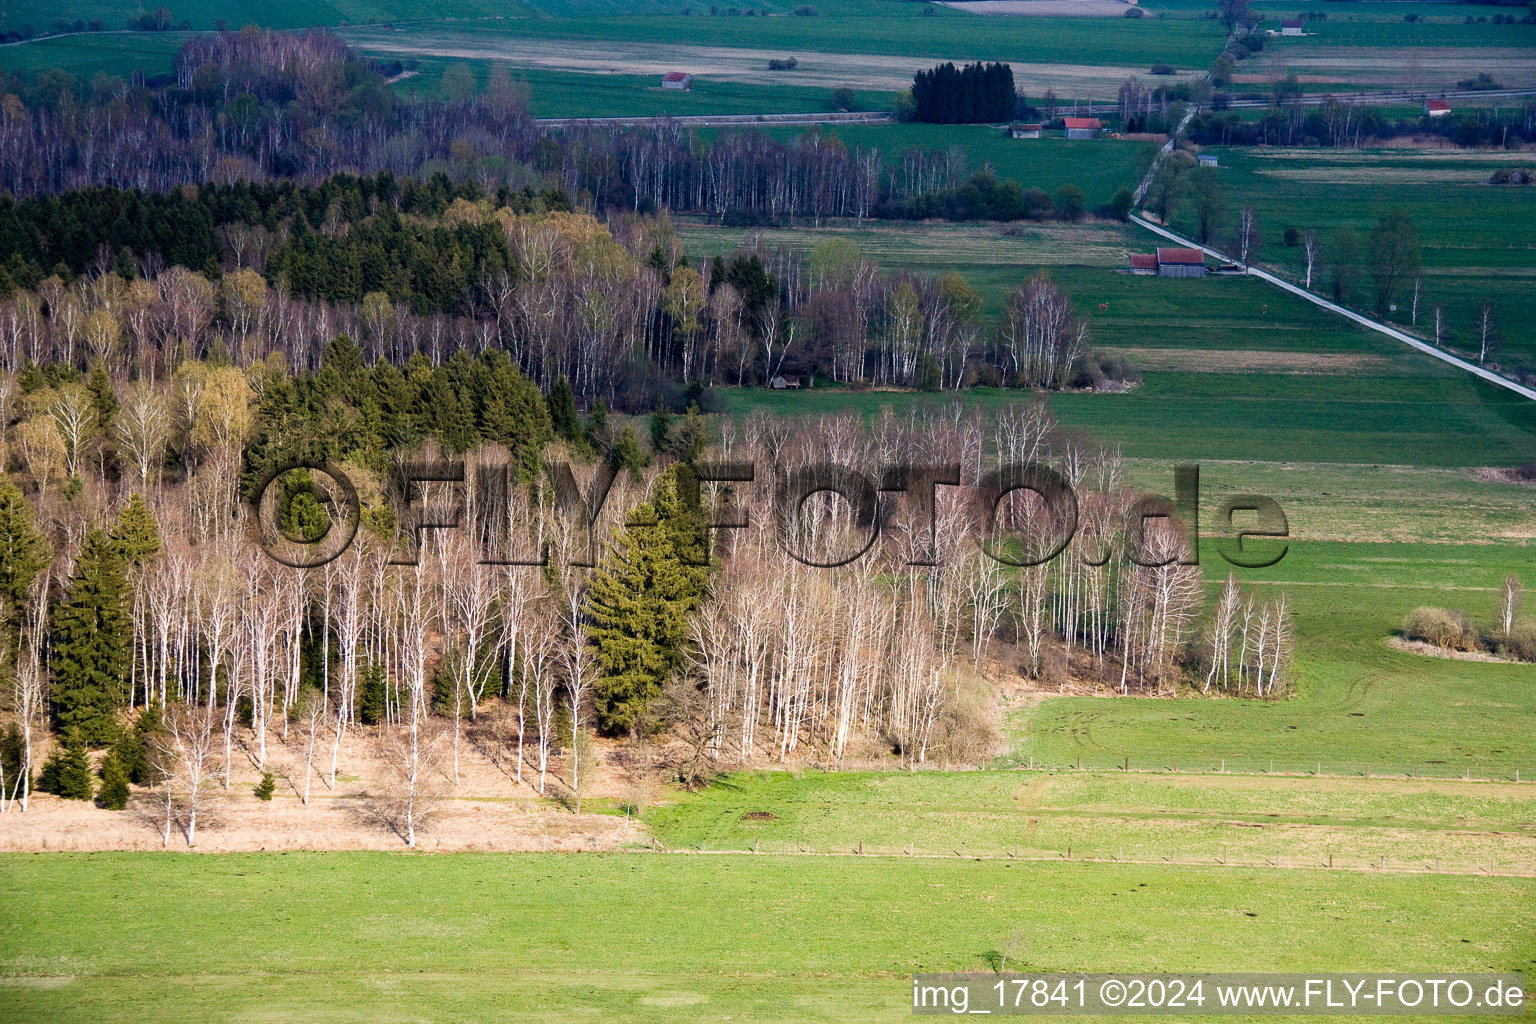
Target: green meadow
x=1110, y=815
x=1475, y=237
x=110, y=53
x=360, y=936
x=573, y=94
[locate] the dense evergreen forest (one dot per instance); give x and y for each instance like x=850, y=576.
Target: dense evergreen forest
x=976, y=93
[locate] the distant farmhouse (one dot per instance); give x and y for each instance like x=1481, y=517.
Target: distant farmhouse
x=1208, y=160
x=1292, y=28
x=1082, y=127
x=1437, y=108
x=1180, y=262
x=677, y=80
x=1169, y=262
x=1025, y=131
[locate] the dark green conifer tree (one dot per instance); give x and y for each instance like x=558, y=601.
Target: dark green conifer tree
x=562, y=411
x=67, y=772
x=136, y=535
x=640, y=598
x=24, y=550
x=113, y=794
x=91, y=643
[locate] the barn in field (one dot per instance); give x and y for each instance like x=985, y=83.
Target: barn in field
x=677, y=80
x=1143, y=264
x=1208, y=160
x=1024, y=131
x=1292, y=28
x=1437, y=108
x=1175, y=262
x=1082, y=127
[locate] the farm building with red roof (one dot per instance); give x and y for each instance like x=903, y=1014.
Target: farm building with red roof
x=1143, y=263
x=1175, y=262
x=1081, y=127
x=677, y=80
x=1437, y=108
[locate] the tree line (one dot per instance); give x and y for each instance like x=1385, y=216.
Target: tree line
x=615, y=310
x=256, y=106
x=145, y=620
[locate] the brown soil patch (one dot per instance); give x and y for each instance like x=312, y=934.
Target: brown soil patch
x=1397, y=643
x=486, y=809
x=1502, y=475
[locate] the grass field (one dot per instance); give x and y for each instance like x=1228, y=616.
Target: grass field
x=573, y=94
x=353, y=937
x=1402, y=409
x=1475, y=237
x=110, y=53
x=1104, y=815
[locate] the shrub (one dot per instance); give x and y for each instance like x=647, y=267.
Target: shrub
x=114, y=785
x=1292, y=237
x=1134, y=12
x=1162, y=69
x=1519, y=643
x=266, y=787
x=1439, y=627
x=969, y=727
x=1120, y=205
x=1482, y=83
x=67, y=772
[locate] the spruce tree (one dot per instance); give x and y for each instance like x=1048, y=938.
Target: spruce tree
x=640, y=598
x=136, y=535
x=24, y=550
x=113, y=794
x=91, y=642
x=562, y=410
x=67, y=772
x=135, y=748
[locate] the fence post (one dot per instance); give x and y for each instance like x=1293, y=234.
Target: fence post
x=1127, y=763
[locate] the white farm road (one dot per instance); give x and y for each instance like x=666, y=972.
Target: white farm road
x=1364, y=321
